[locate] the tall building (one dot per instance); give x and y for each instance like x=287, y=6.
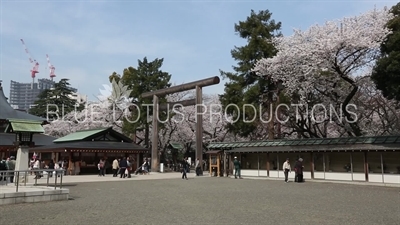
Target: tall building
x=24, y=95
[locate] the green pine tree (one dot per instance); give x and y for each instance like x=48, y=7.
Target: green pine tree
x=386, y=73
x=243, y=86
x=147, y=77
x=54, y=103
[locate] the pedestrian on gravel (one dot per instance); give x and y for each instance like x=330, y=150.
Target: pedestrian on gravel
x=299, y=170
x=101, y=166
x=115, y=167
x=123, y=164
x=286, y=170
x=198, y=167
x=185, y=167
x=237, y=165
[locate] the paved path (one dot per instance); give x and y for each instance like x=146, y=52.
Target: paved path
x=210, y=200
x=109, y=177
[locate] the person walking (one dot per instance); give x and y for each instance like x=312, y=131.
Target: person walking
x=237, y=165
x=115, y=167
x=3, y=169
x=198, y=167
x=123, y=164
x=128, y=167
x=11, y=166
x=185, y=166
x=71, y=167
x=101, y=167
x=286, y=169
x=299, y=170
x=145, y=167
x=51, y=168
x=36, y=166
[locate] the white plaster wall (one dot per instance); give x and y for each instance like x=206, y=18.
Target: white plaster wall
x=375, y=178
x=391, y=178
x=319, y=175
x=263, y=173
x=273, y=173
x=358, y=176
x=251, y=173
x=306, y=175
x=338, y=176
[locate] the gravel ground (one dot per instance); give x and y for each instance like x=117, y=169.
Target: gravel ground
x=213, y=201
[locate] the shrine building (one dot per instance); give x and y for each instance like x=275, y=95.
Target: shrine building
x=86, y=146
x=365, y=159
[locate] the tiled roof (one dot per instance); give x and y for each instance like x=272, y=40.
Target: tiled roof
x=89, y=135
x=7, y=112
x=309, y=142
x=91, y=145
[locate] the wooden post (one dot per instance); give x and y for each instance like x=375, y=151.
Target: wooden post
x=137, y=160
x=225, y=165
x=154, y=141
x=268, y=165
x=382, y=170
x=258, y=164
x=199, y=125
x=210, y=165
x=366, y=170
x=69, y=172
x=218, y=165
x=312, y=165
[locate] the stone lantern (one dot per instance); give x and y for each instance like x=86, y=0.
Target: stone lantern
x=24, y=131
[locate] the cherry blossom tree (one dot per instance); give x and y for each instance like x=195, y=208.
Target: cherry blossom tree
x=94, y=115
x=214, y=122
x=376, y=114
x=321, y=64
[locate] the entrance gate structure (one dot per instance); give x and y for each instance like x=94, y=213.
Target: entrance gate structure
x=197, y=85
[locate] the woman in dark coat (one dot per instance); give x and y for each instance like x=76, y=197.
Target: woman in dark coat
x=51, y=167
x=298, y=167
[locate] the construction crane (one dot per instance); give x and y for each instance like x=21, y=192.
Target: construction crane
x=51, y=67
x=35, y=64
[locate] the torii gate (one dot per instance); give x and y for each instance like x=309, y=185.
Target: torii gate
x=198, y=85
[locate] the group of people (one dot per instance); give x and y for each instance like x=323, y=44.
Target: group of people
x=123, y=167
x=7, y=164
x=37, y=164
x=298, y=169
x=185, y=168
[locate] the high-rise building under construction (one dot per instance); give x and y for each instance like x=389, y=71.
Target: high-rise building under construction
x=23, y=95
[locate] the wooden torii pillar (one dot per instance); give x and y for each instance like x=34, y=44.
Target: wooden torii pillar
x=198, y=85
